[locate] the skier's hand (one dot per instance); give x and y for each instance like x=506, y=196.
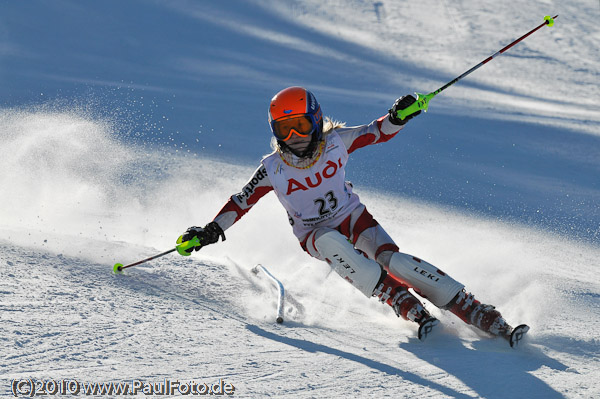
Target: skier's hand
x=208, y=235
x=400, y=104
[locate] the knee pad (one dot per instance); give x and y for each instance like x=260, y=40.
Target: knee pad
x=426, y=279
x=362, y=272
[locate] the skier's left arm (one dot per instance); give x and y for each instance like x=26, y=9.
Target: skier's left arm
x=380, y=130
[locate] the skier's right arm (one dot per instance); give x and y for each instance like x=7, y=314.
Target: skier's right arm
x=238, y=205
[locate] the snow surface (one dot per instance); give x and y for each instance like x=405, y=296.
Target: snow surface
x=123, y=123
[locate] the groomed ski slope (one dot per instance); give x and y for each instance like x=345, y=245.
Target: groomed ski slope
x=80, y=191
x=65, y=315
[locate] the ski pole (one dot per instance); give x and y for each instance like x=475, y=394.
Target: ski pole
x=119, y=266
x=422, y=102
x=181, y=248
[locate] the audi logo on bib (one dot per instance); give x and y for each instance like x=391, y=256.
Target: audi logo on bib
x=328, y=172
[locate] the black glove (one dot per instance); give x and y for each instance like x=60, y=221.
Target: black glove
x=400, y=104
x=207, y=235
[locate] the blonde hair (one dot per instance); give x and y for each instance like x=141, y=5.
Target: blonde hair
x=331, y=124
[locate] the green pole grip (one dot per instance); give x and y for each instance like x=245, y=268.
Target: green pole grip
x=184, y=246
x=422, y=104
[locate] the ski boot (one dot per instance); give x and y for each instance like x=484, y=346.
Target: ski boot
x=485, y=317
x=405, y=305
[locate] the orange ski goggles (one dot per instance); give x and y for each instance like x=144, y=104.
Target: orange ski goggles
x=302, y=126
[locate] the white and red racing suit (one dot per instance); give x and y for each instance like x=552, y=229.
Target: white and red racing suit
x=317, y=196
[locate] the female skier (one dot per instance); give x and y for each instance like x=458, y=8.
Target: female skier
x=306, y=170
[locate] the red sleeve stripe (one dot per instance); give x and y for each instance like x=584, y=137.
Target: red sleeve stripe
x=369, y=138
x=361, y=142
x=232, y=206
x=382, y=136
x=258, y=193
